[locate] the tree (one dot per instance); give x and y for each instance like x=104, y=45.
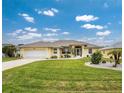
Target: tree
x=117, y=53
x=9, y=50
x=96, y=57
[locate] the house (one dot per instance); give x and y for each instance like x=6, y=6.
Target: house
x=60, y=49
x=106, y=50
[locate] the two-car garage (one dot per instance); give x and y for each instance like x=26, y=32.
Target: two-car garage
x=37, y=53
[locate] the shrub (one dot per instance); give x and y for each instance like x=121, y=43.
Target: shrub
x=96, y=57
x=86, y=59
x=67, y=56
x=111, y=57
x=53, y=56
x=103, y=61
x=62, y=56
x=9, y=50
x=18, y=56
x=87, y=55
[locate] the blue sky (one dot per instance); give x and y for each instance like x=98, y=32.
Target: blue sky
x=93, y=21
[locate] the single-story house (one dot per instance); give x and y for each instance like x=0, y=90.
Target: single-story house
x=60, y=49
x=108, y=49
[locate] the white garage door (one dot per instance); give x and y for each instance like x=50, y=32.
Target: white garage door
x=36, y=54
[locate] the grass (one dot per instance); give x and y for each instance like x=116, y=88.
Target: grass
x=61, y=76
x=5, y=59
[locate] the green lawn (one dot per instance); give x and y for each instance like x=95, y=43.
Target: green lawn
x=5, y=59
x=62, y=76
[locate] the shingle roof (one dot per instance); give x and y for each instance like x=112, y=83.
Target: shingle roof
x=117, y=45
x=59, y=43
x=38, y=44
x=113, y=46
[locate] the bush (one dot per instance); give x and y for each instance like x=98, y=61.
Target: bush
x=18, y=56
x=67, y=56
x=9, y=51
x=107, y=60
x=86, y=59
x=96, y=57
x=62, y=56
x=103, y=61
x=87, y=55
x=111, y=57
x=54, y=57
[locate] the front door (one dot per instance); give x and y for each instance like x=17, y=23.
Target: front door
x=78, y=51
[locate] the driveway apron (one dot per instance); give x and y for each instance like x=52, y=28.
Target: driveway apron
x=19, y=62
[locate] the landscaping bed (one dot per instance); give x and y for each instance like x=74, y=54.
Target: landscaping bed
x=106, y=65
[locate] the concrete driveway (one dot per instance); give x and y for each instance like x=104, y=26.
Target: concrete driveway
x=19, y=62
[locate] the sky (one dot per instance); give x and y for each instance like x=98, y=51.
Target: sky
x=93, y=21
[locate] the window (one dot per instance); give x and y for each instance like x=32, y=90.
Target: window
x=66, y=50
x=85, y=45
x=55, y=51
x=90, y=51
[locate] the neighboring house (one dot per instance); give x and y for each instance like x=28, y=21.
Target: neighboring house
x=108, y=49
x=61, y=49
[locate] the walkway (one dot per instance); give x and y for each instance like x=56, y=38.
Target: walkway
x=105, y=66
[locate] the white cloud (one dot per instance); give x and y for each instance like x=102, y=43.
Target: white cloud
x=18, y=31
x=50, y=39
x=106, y=5
x=109, y=23
x=23, y=14
x=49, y=12
x=27, y=17
x=105, y=33
x=65, y=33
x=55, y=10
x=30, y=29
x=38, y=11
x=29, y=36
x=12, y=34
x=50, y=34
x=52, y=29
x=86, y=18
x=100, y=41
x=22, y=31
x=90, y=26
x=15, y=33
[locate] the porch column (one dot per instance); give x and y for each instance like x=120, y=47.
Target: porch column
x=72, y=51
x=83, y=51
x=58, y=52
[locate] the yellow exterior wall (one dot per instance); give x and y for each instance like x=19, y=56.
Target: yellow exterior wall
x=85, y=51
x=105, y=53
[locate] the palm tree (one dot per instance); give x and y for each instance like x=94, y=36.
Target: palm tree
x=117, y=53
